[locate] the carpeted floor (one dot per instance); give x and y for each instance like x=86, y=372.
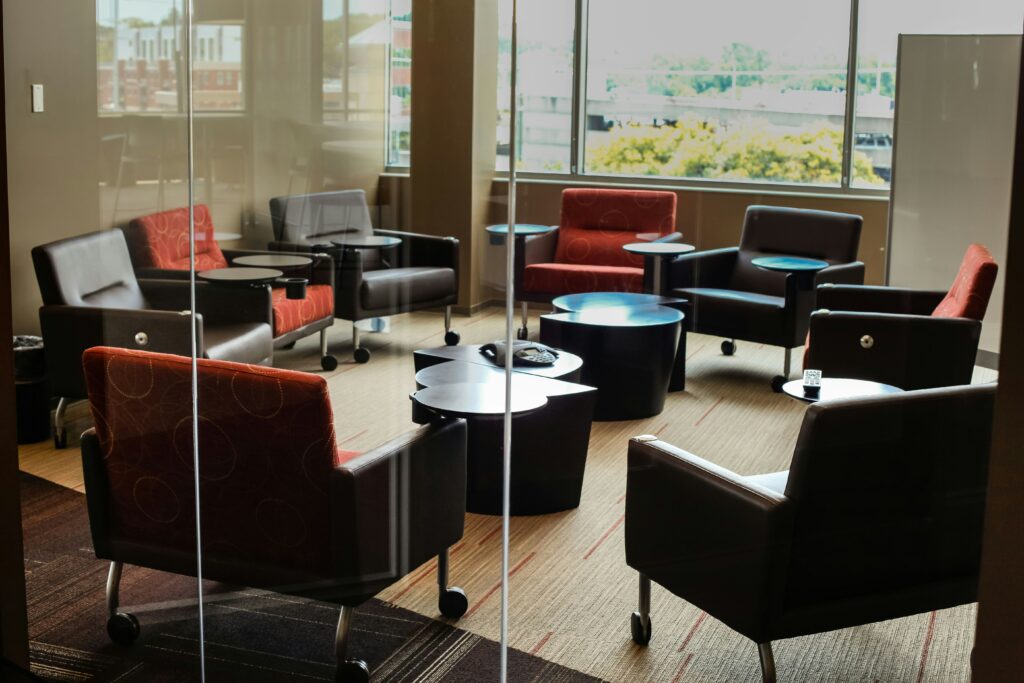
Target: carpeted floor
x=572, y=592
x=250, y=635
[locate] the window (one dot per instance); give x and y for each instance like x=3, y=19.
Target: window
x=880, y=24
x=400, y=86
x=736, y=91
x=545, y=83
x=135, y=74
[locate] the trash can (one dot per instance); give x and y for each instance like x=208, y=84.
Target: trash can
x=31, y=396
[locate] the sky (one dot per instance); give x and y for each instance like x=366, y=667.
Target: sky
x=630, y=33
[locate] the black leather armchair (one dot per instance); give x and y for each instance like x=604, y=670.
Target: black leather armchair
x=422, y=272
x=879, y=517
x=730, y=297
x=92, y=298
x=909, y=338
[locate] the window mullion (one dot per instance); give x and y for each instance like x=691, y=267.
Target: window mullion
x=851, y=97
x=579, y=98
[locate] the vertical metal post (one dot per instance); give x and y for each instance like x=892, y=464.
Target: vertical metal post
x=114, y=588
x=579, y=89
x=851, y=97
x=510, y=302
x=190, y=140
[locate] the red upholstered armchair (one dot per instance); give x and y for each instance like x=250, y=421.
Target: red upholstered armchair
x=584, y=254
x=280, y=506
x=912, y=339
x=159, y=248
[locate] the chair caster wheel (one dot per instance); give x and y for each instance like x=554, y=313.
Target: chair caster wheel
x=523, y=333
x=352, y=671
x=641, y=632
x=329, y=363
x=452, y=338
x=362, y=355
x=288, y=347
x=123, y=628
x=728, y=348
x=777, y=382
x=453, y=603
x=60, y=439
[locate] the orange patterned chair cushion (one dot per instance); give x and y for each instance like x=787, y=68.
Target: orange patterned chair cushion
x=160, y=240
x=597, y=223
x=969, y=295
x=267, y=450
x=291, y=314
x=568, y=278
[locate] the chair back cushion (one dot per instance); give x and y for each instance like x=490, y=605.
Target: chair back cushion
x=89, y=270
x=889, y=492
x=774, y=230
x=160, y=240
x=597, y=223
x=266, y=451
x=969, y=295
x=323, y=215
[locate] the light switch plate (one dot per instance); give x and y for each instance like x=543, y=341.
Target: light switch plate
x=37, y=98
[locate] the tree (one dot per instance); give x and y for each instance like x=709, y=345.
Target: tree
x=748, y=149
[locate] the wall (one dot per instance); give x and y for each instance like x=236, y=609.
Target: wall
x=52, y=156
x=77, y=171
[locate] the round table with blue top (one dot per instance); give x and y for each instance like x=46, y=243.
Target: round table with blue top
x=520, y=230
x=628, y=353
x=803, y=268
x=595, y=300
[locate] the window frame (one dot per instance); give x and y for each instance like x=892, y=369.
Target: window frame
x=577, y=175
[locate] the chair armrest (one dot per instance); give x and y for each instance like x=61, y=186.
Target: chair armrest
x=906, y=351
x=320, y=272
x=70, y=330
x=712, y=268
x=531, y=249
x=841, y=273
x=400, y=504
x=161, y=274
x=707, y=534
x=222, y=304
x=878, y=299
x=418, y=250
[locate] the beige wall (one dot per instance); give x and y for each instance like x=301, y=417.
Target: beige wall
x=65, y=163
x=51, y=157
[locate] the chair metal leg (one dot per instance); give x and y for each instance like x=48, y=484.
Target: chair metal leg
x=342, y=632
x=640, y=621
x=355, y=336
x=786, y=363
x=113, y=587
x=323, y=342
x=451, y=602
x=524, y=331
x=447, y=319
x=60, y=432
x=764, y=652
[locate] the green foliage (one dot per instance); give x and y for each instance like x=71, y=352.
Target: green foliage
x=750, y=149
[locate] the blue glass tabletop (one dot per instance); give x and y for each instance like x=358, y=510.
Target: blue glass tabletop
x=520, y=229
x=591, y=300
x=620, y=316
x=789, y=264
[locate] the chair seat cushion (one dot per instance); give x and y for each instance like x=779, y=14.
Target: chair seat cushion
x=392, y=287
x=291, y=314
x=734, y=313
x=572, y=278
x=242, y=343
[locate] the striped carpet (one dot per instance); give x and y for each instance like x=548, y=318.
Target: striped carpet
x=572, y=592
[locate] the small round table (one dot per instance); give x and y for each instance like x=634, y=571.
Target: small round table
x=240, y=277
x=475, y=399
x=520, y=229
x=839, y=387
x=803, y=268
x=629, y=353
x=278, y=261
x=659, y=252
x=566, y=367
